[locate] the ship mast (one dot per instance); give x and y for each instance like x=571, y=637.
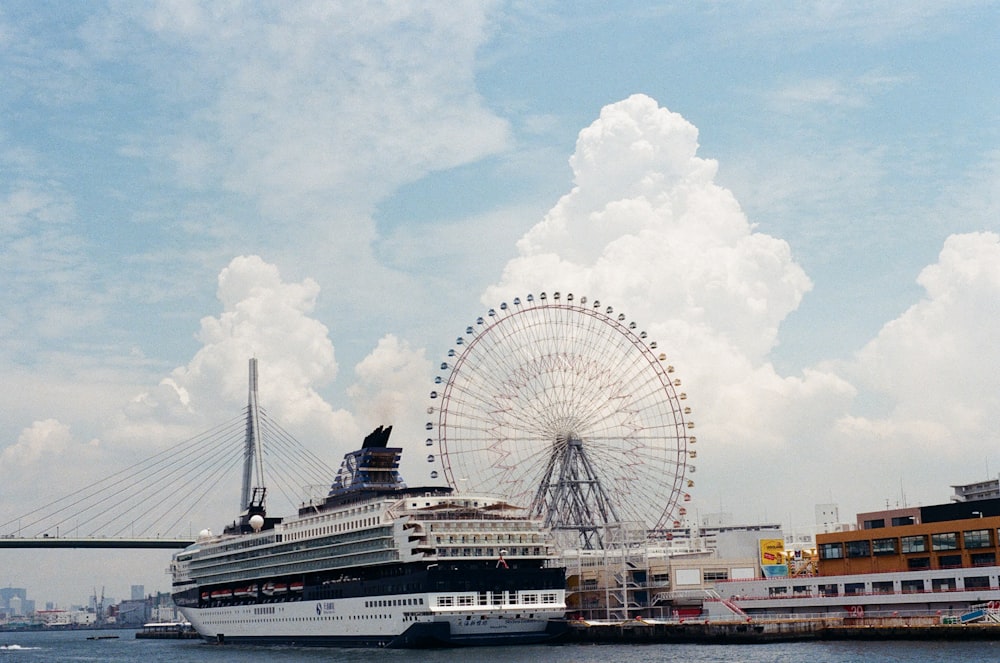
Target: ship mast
x=252, y=453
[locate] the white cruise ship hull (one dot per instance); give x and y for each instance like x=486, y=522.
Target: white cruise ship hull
x=403, y=621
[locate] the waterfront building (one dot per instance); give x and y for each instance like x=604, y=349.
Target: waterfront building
x=981, y=490
x=940, y=559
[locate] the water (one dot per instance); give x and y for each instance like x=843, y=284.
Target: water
x=34, y=647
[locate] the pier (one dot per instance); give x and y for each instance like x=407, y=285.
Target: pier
x=640, y=631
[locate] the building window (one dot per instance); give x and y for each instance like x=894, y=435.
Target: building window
x=899, y=521
x=914, y=544
x=983, y=559
x=917, y=563
x=711, y=575
x=944, y=541
x=831, y=551
x=943, y=585
x=977, y=582
x=884, y=546
x=874, y=524
x=882, y=587
x=976, y=538
x=859, y=548
x=950, y=562
x=854, y=588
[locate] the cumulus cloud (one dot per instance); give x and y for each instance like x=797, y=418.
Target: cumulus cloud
x=935, y=365
x=43, y=440
x=392, y=382
x=646, y=225
x=647, y=229
x=28, y=463
x=264, y=317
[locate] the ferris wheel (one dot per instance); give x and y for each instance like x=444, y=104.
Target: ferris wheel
x=562, y=406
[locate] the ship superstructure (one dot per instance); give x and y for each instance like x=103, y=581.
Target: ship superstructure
x=375, y=564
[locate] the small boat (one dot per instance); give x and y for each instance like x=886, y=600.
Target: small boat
x=166, y=631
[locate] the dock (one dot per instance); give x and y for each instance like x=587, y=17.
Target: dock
x=752, y=631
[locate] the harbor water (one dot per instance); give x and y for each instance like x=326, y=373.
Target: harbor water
x=69, y=646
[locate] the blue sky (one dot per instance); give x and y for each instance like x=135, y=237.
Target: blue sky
x=801, y=200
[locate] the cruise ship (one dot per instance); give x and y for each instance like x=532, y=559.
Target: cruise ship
x=375, y=564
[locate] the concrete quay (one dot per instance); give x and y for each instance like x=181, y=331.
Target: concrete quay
x=776, y=630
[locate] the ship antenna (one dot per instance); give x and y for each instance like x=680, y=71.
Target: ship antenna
x=253, y=457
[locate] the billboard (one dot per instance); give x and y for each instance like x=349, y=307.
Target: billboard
x=772, y=558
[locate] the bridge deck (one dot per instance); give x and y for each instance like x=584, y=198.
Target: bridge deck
x=68, y=542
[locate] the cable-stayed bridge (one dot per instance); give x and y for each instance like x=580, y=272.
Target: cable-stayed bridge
x=150, y=504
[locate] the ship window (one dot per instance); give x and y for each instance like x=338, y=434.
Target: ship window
x=911, y=586
x=917, y=563
x=858, y=548
x=944, y=541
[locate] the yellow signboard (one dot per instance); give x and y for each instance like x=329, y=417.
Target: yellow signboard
x=772, y=551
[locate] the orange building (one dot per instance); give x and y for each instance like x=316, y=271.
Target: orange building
x=947, y=544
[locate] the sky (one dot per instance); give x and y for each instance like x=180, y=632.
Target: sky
x=799, y=200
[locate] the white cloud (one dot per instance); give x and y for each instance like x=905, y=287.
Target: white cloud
x=43, y=442
x=833, y=92
x=936, y=363
x=393, y=383
x=647, y=229
x=309, y=100
x=264, y=317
